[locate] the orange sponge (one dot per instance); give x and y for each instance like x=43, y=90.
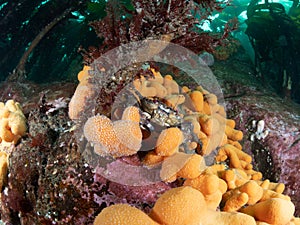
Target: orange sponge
x=3, y=168
x=182, y=165
x=12, y=122
x=109, y=137
x=179, y=206
x=168, y=141
x=122, y=214
x=197, y=99
x=274, y=211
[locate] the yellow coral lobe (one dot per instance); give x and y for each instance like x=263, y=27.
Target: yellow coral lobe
x=185, y=89
x=157, y=76
x=274, y=211
x=231, y=218
x=17, y=124
x=3, y=168
x=267, y=194
x=179, y=206
x=83, y=73
x=206, y=183
x=168, y=141
x=161, y=91
x=152, y=159
x=211, y=99
x=196, y=125
x=99, y=130
x=131, y=139
x=172, y=165
x=253, y=190
x=143, y=86
x=122, y=214
x=213, y=200
x=236, y=202
x=174, y=100
x=12, y=122
x=4, y=113
x=5, y=132
x=193, y=167
x=171, y=85
x=77, y=102
x=230, y=123
x=131, y=113
x=10, y=105
x=235, y=135
x=129, y=135
x=197, y=99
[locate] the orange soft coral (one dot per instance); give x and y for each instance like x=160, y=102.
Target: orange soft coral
x=83, y=91
x=274, y=211
x=12, y=122
x=169, y=141
x=99, y=131
x=109, y=137
x=123, y=214
x=3, y=168
x=179, y=206
x=182, y=165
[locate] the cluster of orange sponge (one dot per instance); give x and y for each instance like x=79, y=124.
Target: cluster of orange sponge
x=83, y=91
x=3, y=168
x=228, y=192
x=190, y=206
x=109, y=137
x=12, y=128
x=187, y=206
x=210, y=125
x=12, y=122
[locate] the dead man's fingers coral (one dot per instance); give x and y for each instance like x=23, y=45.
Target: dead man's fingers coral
x=3, y=168
x=274, y=211
x=12, y=122
x=233, y=134
x=197, y=99
x=130, y=141
x=131, y=113
x=99, y=131
x=181, y=165
x=144, y=88
x=253, y=190
x=77, y=103
x=179, y=206
x=236, y=202
x=174, y=100
x=123, y=214
x=206, y=183
x=169, y=141
x=102, y=132
x=171, y=85
x=192, y=168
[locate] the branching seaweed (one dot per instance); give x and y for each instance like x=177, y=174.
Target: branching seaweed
x=168, y=20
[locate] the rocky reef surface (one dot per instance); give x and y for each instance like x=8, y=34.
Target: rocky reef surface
x=275, y=146
x=50, y=183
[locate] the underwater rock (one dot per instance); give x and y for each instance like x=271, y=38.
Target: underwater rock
x=277, y=154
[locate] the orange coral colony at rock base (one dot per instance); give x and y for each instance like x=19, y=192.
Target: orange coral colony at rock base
x=229, y=192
